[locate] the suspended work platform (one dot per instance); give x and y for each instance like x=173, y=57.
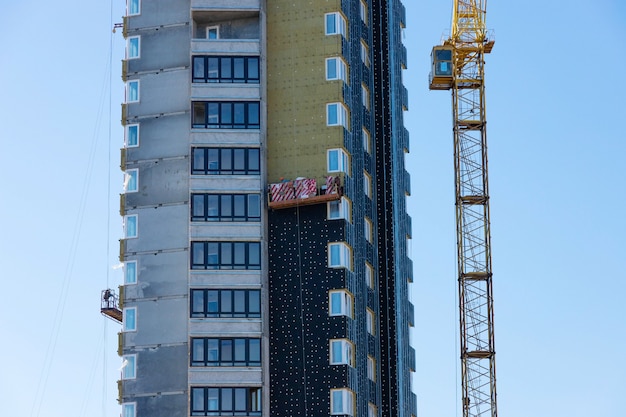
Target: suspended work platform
x=109, y=305
x=303, y=192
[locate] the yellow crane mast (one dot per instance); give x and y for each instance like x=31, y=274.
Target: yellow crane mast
x=458, y=65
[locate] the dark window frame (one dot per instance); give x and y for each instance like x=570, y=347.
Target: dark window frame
x=230, y=401
x=225, y=303
x=225, y=255
x=225, y=115
x=223, y=69
x=210, y=207
x=231, y=352
x=225, y=161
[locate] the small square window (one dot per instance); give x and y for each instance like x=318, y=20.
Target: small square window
x=339, y=255
x=129, y=366
x=336, y=69
x=131, y=181
x=340, y=303
x=130, y=272
x=335, y=24
x=365, y=54
x=341, y=402
x=133, y=8
x=369, y=275
x=341, y=352
x=336, y=115
x=368, y=230
x=365, y=97
x=367, y=142
x=340, y=209
x=367, y=184
x=132, y=91
x=130, y=319
x=370, y=321
x=130, y=226
x=129, y=410
x=131, y=139
x=213, y=32
x=371, y=368
x=337, y=161
x=133, y=50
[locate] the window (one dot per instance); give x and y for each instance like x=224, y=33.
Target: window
x=213, y=32
x=226, y=161
x=129, y=410
x=369, y=236
x=131, y=181
x=225, y=352
x=372, y=411
x=129, y=366
x=370, y=322
x=336, y=115
x=369, y=275
x=341, y=402
x=225, y=255
x=132, y=47
x=340, y=303
x=340, y=209
x=130, y=319
x=130, y=226
x=367, y=142
x=335, y=24
x=226, y=69
x=133, y=8
x=131, y=139
x=363, y=11
x=365, y=97
x=371, y=368
x=226, y=114
x=365, y=54
x=212, y=401
x=225, y=303
x=132, y=91
x=367, y=184
x=337, y=160
x=226, y=207
x=130, y=272
x=341, y=352
x=336, y=69
x=339, y=255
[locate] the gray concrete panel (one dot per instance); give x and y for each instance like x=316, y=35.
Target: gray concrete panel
x=159, y=322
x=160, y=228
x=225, y=279
x=163, y=274
x=163, y=405
x=161, y=93
x=161, y=137
x=222, y=327
x=159, y=369
x=225, y=4
x=232, y=137
x=160, y=182
x=224, y=183
x=161, y=48
x=225, y=47
x=160, y=12
x=230, y=377
x=234, y=231
x=225, y=92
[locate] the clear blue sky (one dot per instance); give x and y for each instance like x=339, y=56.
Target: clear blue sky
x=557, y=175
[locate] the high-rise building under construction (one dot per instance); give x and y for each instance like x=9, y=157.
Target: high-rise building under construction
x=265, y=240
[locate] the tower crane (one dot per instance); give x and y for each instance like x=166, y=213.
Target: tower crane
x=458, y=65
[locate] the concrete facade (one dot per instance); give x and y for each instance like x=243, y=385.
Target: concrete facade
x=229, y=304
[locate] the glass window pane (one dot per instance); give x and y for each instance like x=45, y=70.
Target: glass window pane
x=226, y=253
x=254, y=301
x=132, y=135
x=335, y=351
x=213, y=113
x=197, y=302
x=240, y=399
x=213, y=68
x=330, y=24
x=226, y=207
x=226, y=68
x=198, y=159
x=238, y=68
x=227, y=162
x=197, y=350
x=331, y=116
x=254, y=255
x=226, y=114
x=130, y=319
x=198, y=68
x=253, y=114
x=199, y=115
x=239, y=157
x=335, y=303
x=240, y=350
x=128, y=410
x=213, y=161
x=130, y=272
x=226, y=299
x=227, y=399
x=253, y=160
x=254, y=205
x=213, y=206
x=212, y=301
x=197, y=399
x=212, y=255
x=337, y=401
x=331, y=69
x=239, y=113
x=240, y=301
x=240, y=254
x=254, y=350
x=333, y=160
x=239, y=206
x=133, y=7
x=226, y=350
x=213, y=399
x=197, y=253
x=197, y=206
x=253, y=68
x=212, y=350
